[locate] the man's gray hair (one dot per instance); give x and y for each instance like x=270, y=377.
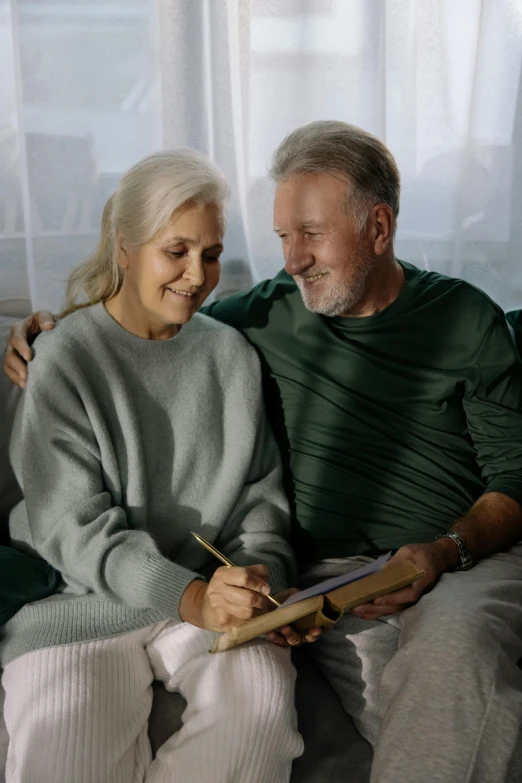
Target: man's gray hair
x=345, y=151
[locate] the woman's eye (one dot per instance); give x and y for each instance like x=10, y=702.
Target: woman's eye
x=176, y=253
x=211, y=259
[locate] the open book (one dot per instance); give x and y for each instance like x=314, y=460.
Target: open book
x=314, y=609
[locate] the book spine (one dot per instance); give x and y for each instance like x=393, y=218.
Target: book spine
x=323, y=618
x=257, y=626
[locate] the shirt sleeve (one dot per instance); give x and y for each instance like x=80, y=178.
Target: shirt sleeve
x=73, y=522
x=232, y=310
x=493, y=407
x=248, y=309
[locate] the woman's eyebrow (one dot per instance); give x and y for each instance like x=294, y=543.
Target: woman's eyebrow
x=190, y=241
x=186, y=240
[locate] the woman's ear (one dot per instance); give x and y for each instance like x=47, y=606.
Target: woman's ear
x=122, y=252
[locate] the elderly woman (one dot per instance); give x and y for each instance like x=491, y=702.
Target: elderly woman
x=141, y=422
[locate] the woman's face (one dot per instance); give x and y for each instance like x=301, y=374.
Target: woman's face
x=167, y=280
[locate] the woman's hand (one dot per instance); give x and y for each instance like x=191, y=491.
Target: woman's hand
x=288, y=636
x=232, y=596
x=18, y=352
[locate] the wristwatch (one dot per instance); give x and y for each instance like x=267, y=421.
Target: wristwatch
x=465, y=559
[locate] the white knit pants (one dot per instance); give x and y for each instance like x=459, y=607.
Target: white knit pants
x=78, y=713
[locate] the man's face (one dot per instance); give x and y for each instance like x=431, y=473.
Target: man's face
x=329, y=258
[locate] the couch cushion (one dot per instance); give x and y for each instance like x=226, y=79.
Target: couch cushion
x=334, y=750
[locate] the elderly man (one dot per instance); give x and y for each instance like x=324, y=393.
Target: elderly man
x=396, y=397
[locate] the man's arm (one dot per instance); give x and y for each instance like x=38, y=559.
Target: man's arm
x=493, y=524
x=18, y=351
x=493, y=406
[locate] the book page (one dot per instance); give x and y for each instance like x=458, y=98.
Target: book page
x=338, y=581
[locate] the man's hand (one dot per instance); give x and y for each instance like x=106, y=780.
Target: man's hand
x=232, y=596
x=288, y=636
x=434, y=559
x=18, y=351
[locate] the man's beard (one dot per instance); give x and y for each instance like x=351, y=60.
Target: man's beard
x=338, y=298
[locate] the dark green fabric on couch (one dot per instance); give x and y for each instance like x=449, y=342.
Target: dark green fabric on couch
x=23, y=579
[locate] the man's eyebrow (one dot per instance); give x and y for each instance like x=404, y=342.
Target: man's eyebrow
x=304, y=224
x=310, y=224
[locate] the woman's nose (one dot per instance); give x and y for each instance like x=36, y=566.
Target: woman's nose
x=195, y=272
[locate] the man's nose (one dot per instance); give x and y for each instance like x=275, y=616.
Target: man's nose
x=297, y=259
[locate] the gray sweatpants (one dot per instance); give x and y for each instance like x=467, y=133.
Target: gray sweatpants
x=435, y=689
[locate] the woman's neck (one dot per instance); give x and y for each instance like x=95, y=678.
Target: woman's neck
x=129, y=312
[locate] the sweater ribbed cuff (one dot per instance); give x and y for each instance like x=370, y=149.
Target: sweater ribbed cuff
x=162, y=583
x=278, y=578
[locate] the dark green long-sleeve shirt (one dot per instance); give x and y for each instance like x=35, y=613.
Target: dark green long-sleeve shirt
x=390, y=425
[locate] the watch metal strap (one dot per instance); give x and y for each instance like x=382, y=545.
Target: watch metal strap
x=466, y=561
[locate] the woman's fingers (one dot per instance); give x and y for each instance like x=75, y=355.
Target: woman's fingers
x=288, y=636
x=277, y=638
x=243, y=577
x=260, y=570
x=236, y=596
x=239, y=592
x=235, y=611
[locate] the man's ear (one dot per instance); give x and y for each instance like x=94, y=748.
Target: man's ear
x=383, y=220
x=122, y=251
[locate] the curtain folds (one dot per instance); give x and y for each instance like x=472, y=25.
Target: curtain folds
x=88, y=88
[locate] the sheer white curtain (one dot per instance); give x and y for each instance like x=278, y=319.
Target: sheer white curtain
x=88, y=88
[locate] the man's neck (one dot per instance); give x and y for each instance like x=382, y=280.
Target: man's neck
x=383, y=286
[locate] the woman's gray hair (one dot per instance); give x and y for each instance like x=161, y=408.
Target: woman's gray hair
x=146, y=198
x=344, y=151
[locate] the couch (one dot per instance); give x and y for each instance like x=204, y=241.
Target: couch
x=335, y=751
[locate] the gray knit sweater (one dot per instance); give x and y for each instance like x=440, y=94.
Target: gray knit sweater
x=122, y=446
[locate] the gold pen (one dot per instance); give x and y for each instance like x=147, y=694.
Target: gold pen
x=224, y=560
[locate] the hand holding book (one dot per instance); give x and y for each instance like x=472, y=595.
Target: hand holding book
x=288, y=635
x=323, y=604
x=323, y=610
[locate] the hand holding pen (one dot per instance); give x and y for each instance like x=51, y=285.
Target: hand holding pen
x=229, y=563
x=234, y=594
